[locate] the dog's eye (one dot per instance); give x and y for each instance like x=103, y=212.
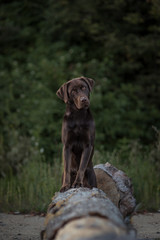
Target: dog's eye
x=74, y=90
x=83, y=88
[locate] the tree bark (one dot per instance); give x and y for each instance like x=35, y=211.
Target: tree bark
x=117, y=186
x=84, y=214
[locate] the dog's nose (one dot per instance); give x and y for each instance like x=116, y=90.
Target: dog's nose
x=83, y=99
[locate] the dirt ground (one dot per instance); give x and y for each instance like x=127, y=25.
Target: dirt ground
x=147, y=225
x=20, y=227
x=27, y=227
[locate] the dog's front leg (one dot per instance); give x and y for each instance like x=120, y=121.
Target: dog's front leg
x=67, y=168
x=86, y=155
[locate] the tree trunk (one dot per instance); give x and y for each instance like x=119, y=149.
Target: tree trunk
x=84, y=214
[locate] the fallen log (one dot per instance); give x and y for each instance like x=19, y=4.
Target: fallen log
x=117, y=186
x=84, y=214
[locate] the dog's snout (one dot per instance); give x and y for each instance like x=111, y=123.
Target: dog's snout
x=83, y=99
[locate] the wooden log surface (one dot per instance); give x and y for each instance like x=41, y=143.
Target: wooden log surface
x=86, y=214
x=117, y=186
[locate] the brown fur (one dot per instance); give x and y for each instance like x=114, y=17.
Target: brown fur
x=78, y=134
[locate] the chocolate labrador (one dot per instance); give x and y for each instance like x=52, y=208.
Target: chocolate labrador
x=78, y=133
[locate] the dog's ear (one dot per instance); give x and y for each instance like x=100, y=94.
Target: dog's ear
x=62, y=92
x=90, y=82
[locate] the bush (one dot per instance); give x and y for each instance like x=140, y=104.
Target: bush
x=44, y=44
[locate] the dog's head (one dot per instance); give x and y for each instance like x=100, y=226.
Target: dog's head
x=76, y=91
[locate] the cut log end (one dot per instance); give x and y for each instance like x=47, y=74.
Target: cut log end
x=117, y=186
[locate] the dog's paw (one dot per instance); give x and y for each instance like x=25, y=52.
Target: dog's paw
x=77, y=185
x=65, y=188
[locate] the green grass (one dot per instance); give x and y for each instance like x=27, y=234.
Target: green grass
x=33, y=188
x=143, y=167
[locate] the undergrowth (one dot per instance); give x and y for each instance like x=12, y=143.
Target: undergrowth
x=142, y=166
x=33, y=188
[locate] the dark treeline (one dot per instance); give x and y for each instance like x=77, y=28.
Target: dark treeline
x=45, y=43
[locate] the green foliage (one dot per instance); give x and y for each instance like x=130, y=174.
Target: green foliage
x=45, y=43
x=33, y=188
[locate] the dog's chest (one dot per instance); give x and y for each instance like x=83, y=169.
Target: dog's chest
x=78, y=128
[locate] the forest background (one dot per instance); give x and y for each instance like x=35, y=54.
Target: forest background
x=45, y=43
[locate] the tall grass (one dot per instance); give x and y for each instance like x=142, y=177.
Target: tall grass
x=143, y=167
x=33, y=188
